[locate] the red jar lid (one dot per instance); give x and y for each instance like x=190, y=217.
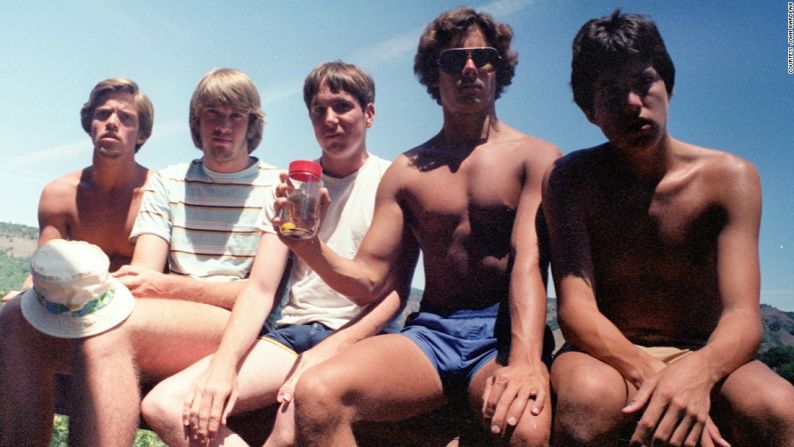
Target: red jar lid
x=302, y=170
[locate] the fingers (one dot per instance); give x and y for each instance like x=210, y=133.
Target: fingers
x=646, y=426
x=714, y=433
x=286, y=391
x=640, y=398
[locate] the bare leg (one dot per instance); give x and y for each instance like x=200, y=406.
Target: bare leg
x=590, y=395
x=382, y=378
x=261, y=373
x=170, y=335
x=28, y=362
x=162, y=337
x=531, y=430
x=755, y=406
x=106, y=392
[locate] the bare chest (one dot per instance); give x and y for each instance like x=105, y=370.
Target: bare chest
x=106, y=220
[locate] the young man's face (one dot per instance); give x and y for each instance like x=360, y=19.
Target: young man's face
x=472, y=88
x=630, y=105
x=115, y=127
x=224, y=132
x=340, y=124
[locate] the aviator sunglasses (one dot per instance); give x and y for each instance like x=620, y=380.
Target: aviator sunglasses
x=453, y=60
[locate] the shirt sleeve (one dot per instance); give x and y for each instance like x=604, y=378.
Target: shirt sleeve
x=268, y=212
x=154, y=216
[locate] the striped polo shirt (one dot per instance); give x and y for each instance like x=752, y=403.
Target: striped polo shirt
x=210, y=219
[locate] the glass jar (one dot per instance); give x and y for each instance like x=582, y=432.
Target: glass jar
x=300, y=216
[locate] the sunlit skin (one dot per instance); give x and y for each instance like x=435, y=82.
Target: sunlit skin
x=458, y=197
x=340, y=125
x=114, y=126
x=224, y=132
x=655, y=243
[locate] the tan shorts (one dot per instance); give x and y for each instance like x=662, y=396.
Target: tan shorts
x=666, y=354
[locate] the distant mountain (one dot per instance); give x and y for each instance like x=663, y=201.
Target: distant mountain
x=17, y=243
x=778, y=327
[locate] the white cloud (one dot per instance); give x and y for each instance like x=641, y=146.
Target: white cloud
x=502, y=9
x=79, y=149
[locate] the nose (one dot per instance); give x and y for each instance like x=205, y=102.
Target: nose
x=469, y=68
x=113, y=121
x=329, y=117
x=633, y=101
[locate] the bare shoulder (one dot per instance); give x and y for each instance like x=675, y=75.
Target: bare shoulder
x=61, y=191
x=538, y=149
x=722, y=172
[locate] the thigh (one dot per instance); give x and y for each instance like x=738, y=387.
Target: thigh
x=384, y=378
x=756, y=396
x=259, y=376
x=170, y=335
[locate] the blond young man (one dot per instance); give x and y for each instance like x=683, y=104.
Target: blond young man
x=97, y=204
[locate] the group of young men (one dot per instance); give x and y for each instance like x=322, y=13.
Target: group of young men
x=653, y=244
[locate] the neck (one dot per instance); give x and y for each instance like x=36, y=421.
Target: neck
x=469, y=127
x=230, y=166
x=652, y=163
x=343, y=166
x=115, y=173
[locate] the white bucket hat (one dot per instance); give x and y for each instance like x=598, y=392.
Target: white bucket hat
x=73, y=295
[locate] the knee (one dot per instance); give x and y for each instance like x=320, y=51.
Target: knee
x=535, y=434
x=588, y=409
x=162, y=407
x=318, y=397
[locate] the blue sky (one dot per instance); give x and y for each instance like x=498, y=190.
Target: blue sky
x=732, y=88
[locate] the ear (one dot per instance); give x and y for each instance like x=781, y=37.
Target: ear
x=369, y=114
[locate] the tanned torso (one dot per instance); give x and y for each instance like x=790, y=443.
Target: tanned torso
x=460, y=202
x=655, y=242
x=74, y=207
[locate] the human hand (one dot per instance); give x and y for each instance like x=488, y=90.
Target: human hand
x=305, y=360
x=212, y=398
x=142, y=281
x=511, y=391
x=282, y=192
x=677, y=401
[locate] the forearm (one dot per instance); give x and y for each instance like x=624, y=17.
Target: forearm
x=244, y=324
x=353, y=278
x=585, y=327
x=369, y=322
x=221, y=294
x=527, y=318
x=733, y=343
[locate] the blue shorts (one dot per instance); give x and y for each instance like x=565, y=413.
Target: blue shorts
x=299, y=337
x=458, y=344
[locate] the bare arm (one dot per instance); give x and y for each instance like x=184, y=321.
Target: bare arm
x=145, y=278
x=53, y=215
x=524, y=381
x=214, y=393
x=366, y=277
x=582, y=324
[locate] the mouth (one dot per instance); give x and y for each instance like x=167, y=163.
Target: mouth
x=109, y=136
x=639, y=125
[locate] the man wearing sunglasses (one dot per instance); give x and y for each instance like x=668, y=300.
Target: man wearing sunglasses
x=655, y=253
x=467, y=198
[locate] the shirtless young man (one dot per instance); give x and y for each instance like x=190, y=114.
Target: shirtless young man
x=468, y=199
x=316, y=322
x=655, y=259
x=97, y=204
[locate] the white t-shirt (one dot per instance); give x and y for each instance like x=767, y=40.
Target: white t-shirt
x=346, y=222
